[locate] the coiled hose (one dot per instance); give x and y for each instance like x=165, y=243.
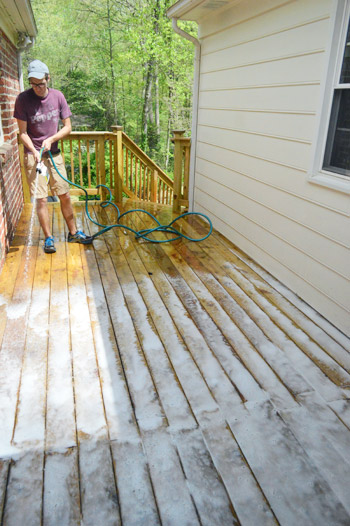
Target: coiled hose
x=144, y=233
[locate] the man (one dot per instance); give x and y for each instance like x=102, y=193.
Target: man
x=38, y=111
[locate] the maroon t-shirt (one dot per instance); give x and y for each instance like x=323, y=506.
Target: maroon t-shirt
x=42, y=115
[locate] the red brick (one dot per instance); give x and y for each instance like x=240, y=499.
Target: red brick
x=10, y=173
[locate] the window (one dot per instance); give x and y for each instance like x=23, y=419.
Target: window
x=332, y=157
x=337, y=152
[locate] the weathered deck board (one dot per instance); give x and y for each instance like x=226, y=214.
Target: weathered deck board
x=187, y=375
x=61, y=499
x=12, y=348
x=305, y=316
x=24, y=490
x=29, y=431
x=4, y=470
x=95, y=460
x=174, y=384
x=213, y=322
x=326, y=441
x=223, y=448
x=60, y=407
x=137, y=501
x=13, y=261
x=284, y=314
x=295, y=356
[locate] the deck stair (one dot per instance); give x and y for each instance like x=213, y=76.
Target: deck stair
x=114, y=159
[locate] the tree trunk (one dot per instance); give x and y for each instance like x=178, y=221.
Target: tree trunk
x=156, y=102
x=110, y=38
x=147, y=99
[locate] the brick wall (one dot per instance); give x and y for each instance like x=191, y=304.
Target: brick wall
x=11, y=194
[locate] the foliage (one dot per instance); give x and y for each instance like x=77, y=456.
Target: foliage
x=119, y=62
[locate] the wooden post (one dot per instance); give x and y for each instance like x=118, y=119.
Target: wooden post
x=26, y=193
x=119, y=175
x=177, y=169
x=154, y=180
x=187, y=147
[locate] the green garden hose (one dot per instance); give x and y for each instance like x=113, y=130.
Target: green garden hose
x=144, y=233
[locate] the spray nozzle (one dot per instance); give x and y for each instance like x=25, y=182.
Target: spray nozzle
x=42, y=170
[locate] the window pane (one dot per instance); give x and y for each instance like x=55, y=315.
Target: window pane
x=345, y=70
x=337, y=156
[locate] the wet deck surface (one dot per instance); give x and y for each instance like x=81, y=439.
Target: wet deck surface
x=175, y=384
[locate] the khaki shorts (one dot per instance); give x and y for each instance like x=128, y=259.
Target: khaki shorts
x=57, y=184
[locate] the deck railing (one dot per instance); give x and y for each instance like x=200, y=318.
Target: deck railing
x=113, y=159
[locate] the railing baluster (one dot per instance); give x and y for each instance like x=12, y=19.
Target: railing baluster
x=147, y=184
x=144, y=194
x=111, y=182
x=159, y=191
x=115, y=166
x=154, y=185
x=132, y=173
x=98, y=179
x=136, y=173
x=101, y=164
x=71, y=160
x=80, y=164
x=88, y=162
x=141, y=180
x=127, y=182
x=62, y=150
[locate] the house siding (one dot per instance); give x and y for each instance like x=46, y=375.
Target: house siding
x=263, y=65
x=11, y=194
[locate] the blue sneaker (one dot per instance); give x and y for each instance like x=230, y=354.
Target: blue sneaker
x=49, y=245
x=79, y=237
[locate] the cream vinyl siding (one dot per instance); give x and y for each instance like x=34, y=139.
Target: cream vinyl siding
x=263, y=66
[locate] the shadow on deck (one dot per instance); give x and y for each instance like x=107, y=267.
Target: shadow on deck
x=175, y=384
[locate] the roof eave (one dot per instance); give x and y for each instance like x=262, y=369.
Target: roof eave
x=182, y=9
x=198, y=10
x=17, y=17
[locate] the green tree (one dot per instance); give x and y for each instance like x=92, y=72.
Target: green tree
x=119, y=62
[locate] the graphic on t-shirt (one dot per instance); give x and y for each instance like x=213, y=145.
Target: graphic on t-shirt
x=43, y=117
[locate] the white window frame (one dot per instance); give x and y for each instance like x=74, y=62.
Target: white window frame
x=319, y=175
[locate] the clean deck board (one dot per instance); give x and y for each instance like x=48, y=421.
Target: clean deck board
x=175, y=384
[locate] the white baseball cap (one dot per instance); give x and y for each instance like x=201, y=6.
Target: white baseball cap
x=37, y=69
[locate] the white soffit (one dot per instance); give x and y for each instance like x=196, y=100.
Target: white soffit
x=196, y=9
x=17, y=16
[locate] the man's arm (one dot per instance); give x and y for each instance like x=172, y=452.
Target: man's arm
x=26, y=140
x=61, y=134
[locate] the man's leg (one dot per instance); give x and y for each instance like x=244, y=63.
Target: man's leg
x=67, y=211
x=74, y=236
x=43, y=216
x=38, y=191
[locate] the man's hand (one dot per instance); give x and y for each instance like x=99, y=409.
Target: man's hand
x=47, y=144
x=26, y=140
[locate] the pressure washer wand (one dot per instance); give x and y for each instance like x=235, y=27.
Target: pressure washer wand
x=41, y=168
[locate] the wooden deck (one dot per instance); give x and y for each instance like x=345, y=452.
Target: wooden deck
x=175, y=384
